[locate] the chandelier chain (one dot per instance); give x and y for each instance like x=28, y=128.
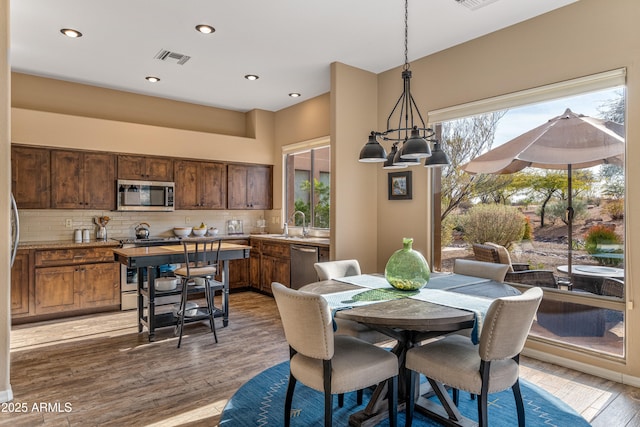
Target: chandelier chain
x=406, y=35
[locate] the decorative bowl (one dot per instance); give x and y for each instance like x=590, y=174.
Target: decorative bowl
x=182, y=231
x=166, y=283
x=192, y=309
x=213, y=231
x=199, y=231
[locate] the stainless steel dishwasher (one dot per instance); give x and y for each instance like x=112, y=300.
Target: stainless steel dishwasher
x=302, y=269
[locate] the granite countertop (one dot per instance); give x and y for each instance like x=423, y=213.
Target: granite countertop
x=67, y=244
x=115, y=242
x=298, y=240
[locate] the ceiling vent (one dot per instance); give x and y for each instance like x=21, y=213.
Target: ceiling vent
x=168, y=56
x=474, y=4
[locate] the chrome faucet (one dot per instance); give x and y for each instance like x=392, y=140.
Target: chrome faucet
x=305, y=232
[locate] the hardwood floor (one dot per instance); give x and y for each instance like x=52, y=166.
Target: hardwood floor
x=97, y=370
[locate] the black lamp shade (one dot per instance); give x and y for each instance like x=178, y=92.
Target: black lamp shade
x=438, y=158
x=415, y=147
x=372, y=151
x=389, y=163
x=399, y=161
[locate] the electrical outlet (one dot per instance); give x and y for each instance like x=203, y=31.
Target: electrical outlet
x=68, y=223
x=187, y=220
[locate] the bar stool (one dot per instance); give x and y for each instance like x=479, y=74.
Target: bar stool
x=201, y=256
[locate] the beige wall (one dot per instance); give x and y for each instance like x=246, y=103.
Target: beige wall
x=63, y=130
x=43, y=94
x=587, y=37
x=5, y=189
x=353, y=197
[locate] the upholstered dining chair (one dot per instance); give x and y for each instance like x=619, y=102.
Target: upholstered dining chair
x=486, y=270
x=344, y=268
x=489, y=367
x=329, y=363
x=201, y=256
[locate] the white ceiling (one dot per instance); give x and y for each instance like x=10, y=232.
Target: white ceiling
x=288, y=43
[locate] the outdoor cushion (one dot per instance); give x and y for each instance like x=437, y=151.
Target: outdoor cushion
x=503, y=254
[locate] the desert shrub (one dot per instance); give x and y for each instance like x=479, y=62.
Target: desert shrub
x=528, y=229
x=558, y=210
x=615, y=209
x=600, y=234
x=449, y=224
x=493, y=223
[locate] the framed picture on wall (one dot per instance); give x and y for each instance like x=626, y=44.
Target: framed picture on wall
x=400, y=185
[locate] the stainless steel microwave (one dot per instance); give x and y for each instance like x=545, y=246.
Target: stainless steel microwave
x=145, y=195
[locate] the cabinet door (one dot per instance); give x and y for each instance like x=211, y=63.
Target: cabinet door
x=66, y=180
x=20, y=284
x=186, y=192
x=99, y=179
x=30, y=177
x=55, y=290
x=213, y=184
x=250, y=187
x=145, y=168
x=159, y=169
x=99, y=284
x=259, y=187
x=237, y=186
x=254, y=269
x=238, y=273
x=131, y=167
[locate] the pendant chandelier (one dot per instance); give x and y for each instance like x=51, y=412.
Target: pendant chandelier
x=411, y=130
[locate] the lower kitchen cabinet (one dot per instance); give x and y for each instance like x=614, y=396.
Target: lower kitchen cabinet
x=238, y=269
x=20, y=284
x=59, y=282
x=60, y=289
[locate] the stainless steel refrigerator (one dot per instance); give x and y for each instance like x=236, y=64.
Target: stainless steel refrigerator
x=15, y=229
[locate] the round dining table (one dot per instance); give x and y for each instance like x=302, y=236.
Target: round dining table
x=410, y=321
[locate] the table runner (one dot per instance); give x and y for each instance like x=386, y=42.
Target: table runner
x=438, y=292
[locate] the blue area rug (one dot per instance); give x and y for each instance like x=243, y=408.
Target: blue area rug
x=260, y=402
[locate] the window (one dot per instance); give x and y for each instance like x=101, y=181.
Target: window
x=308, y=185
x=584, y=309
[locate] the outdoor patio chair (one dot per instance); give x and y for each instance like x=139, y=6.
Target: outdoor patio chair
x=613, y=287
x=518, y=272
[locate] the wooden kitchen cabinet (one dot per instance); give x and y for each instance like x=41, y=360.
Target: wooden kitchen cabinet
x=20, y=284
x=31, y=177
x=254, y=264
x=67, y=280
x=145, y=168
x=238, y=269
x=200, y=185
x=275, y=264
x=250, y=186
x=82, y=180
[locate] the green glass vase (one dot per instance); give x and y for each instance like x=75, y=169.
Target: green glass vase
x=407, y=269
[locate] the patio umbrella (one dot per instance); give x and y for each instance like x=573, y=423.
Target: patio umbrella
x=569, y=141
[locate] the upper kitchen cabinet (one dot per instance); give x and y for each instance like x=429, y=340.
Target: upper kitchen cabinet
x=83, y=180
x=30, y=177
x=145, y=168
x=250, y=187
x=200, y=185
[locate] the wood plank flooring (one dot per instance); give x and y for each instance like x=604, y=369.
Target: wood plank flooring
x=97, y=370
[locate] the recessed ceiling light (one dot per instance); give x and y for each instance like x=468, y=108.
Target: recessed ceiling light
x=152, y=79
x=251, y=77
x=70, y=32
x=294, y=95
x=205, y=29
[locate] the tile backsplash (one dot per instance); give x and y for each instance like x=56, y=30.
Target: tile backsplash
x=51, y=224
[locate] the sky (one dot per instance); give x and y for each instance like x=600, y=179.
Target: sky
x=519, y=120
